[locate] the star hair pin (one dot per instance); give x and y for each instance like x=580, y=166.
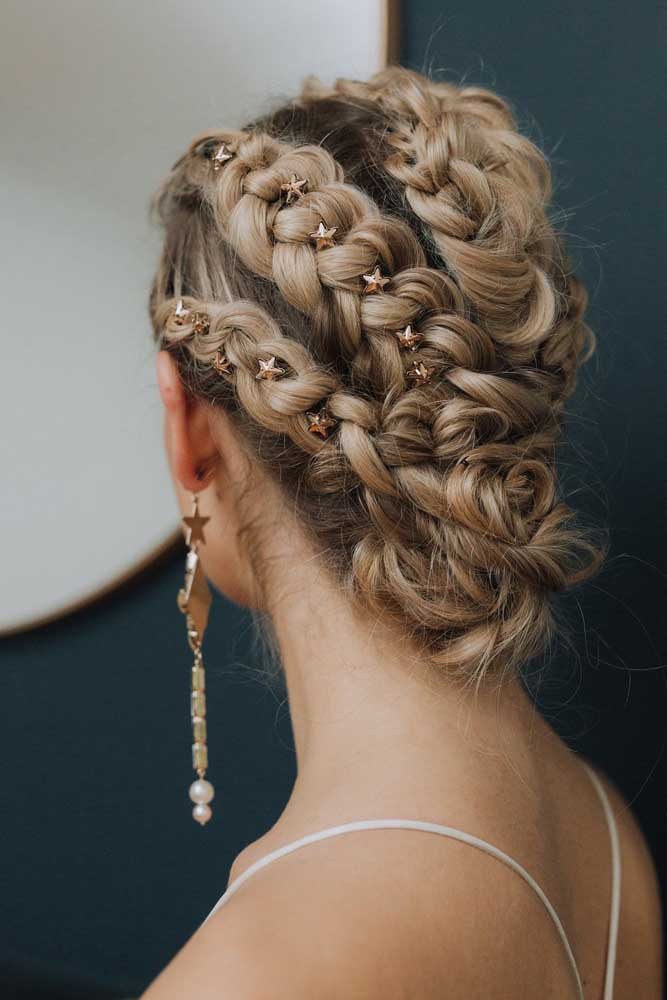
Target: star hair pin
x=180, y=314
x=408, y=338
x=375, y=282
x=420, y=374
x=200, y=322
x=293, y=188
x=320, y=422
x=221, y=155
x=182, y=317
x=323, y=237
x=268, y=369
x=222, y=364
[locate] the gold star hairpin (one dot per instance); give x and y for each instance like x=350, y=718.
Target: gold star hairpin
x=409, y=338
x=269, y=369
x=375, y=282
x=221, y=155
x=180, y=313
x=420, y=374
x=320, y=422
x=293, y=188
x=222, y=364
x=323, y=237
x=200, y=322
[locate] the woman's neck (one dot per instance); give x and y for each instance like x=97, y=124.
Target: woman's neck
x=366, y=710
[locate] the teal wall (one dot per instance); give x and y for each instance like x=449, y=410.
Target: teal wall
x=103, y=872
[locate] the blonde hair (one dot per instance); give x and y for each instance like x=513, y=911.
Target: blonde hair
x=437, y=505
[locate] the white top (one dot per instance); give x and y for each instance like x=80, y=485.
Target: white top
x=487, y=848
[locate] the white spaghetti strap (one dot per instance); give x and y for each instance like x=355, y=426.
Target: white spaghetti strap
x=410, y=824
x=615, y=905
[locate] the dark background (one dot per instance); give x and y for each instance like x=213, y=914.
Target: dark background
x=104, y=874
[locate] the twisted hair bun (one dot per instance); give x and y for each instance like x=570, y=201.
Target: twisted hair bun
x=426, y=344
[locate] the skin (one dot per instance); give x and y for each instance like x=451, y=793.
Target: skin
x=392, y=914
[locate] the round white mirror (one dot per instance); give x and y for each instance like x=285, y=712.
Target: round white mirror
x=98, y=101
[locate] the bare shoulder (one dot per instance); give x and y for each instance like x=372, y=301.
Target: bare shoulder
x=387, y=913
x=297, y=929
x=640, y=927
x=373, y=916
x=283, y=935
x=254, y=949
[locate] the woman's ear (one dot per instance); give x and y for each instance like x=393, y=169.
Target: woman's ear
x=188, y=439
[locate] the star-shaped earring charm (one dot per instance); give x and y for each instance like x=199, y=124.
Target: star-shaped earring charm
x=221, y=155
x=269, y=369
x=293, y=188
x=195, y=525
x=420, y=374
x=222, y=364
x=320, y=422
x=375, y=282
x=409, y=338
x=323, y=237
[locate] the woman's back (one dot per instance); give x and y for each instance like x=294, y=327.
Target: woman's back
x=400, y=913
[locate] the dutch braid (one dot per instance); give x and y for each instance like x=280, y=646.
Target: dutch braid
x=415, y=427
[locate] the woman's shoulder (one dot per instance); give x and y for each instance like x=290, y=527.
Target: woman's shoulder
x=640, y=921
x=377, y=912
x=361, y=915
x=639, y=880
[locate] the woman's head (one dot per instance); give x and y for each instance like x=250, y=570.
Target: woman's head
x=388, y=245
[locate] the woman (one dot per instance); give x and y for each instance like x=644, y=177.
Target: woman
x=368, y=331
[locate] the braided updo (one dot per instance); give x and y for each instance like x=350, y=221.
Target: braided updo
x=366, y=280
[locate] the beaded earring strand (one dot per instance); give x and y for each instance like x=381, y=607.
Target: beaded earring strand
x=194, y=600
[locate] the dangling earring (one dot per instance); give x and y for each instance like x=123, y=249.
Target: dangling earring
x=194, y=600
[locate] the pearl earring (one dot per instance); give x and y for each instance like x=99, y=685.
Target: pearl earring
x=194, y=600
